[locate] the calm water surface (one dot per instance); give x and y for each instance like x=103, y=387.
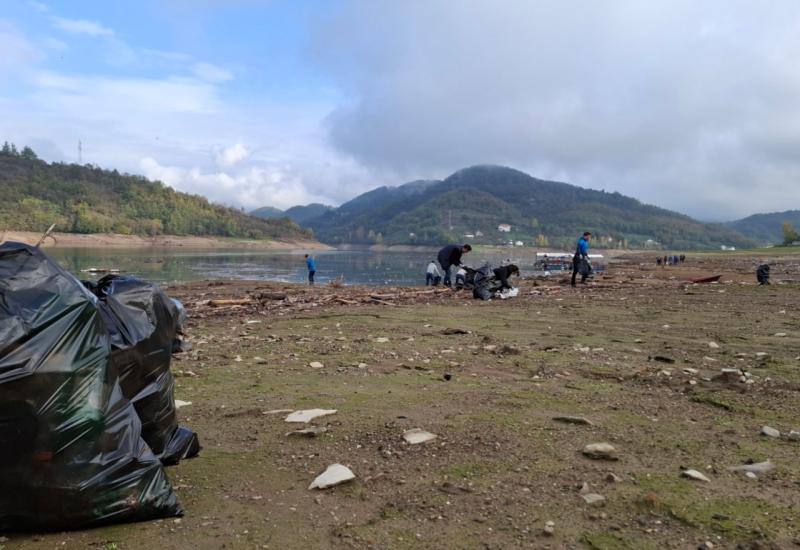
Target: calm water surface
x=355, y=266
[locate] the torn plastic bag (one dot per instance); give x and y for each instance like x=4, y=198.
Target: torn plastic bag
x=143, y=323
x=71, y=452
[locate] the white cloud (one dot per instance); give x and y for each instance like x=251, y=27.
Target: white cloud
x=232, y=155
x=81, y=26
x=211, y=73
x=100, y=97
x=689, y=105
x=256, y=186
x=15, y=49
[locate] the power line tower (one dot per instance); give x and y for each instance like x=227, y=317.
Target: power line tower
x=80, y=153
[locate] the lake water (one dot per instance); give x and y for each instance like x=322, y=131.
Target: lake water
x=355, y=266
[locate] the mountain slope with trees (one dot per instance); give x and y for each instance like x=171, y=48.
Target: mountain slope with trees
x=766, y=228
x=87, y=199
x=477, y=200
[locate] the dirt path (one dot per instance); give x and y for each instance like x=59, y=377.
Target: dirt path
x=639, y=354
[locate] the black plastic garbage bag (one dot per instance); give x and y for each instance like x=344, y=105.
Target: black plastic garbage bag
x=484, y=283
x=143, y=323
x=71, y=451
x=762, y=274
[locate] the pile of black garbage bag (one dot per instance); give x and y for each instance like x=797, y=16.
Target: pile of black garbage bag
x=87, y=412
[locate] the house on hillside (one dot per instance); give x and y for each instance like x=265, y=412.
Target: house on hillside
x=469, y=236
x=504, y=228
x=479, y=233
x=519, y=243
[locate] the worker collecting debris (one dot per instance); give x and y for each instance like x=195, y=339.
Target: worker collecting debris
x=450, y=256
x=490, y=283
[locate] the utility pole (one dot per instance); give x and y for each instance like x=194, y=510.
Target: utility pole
x=80, y=153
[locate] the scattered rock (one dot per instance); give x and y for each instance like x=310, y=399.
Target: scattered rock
x=259, y=361
x=510, y=350
x=780, y=334
x=593, y=499
x=793, y=435
x=449, y=331
x=334, y=475
x=381, y=340
x=770, y=432
x=312, y=431
x=549, y=529
x=688, y=370
x=600, y=451
x=611, y=477
x=694, y=474
x=756, y=468
x=316, y=365
x=308, y=415
x=750, y=475
x=416, y=436
x=179, y=403
x=713, y=345
x=573, y=420
x=663, y=359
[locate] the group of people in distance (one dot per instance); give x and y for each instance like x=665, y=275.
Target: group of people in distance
x=670, y=260
x=450, y=257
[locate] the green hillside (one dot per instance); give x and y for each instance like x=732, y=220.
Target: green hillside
x=476, y=200
x=267, y=212
x=87, y=199
x=766, y=228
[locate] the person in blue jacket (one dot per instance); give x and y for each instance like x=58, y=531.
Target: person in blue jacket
x=580, y=262
x=311, y=263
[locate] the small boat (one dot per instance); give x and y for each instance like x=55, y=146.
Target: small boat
x=712, y=279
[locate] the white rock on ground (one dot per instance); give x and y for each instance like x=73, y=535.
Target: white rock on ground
x=770, y=432
x=179, y=403
x=308, y=415
x=593, y=499
x=416, y=436
x=602, y=451
x=757, y=468
x=316, y=365
x=335, y=474
x=713, y=345
x=694, y=474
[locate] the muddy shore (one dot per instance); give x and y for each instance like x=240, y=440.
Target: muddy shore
x=636, y=359
x=110, y=240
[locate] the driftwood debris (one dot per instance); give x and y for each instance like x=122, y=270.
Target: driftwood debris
x=45, y=235
x=230, y=302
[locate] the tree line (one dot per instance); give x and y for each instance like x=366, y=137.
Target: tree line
x=88, y=199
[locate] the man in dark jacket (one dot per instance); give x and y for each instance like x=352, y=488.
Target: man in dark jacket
x=580, y=262
x=449, y=256
x=502, y=274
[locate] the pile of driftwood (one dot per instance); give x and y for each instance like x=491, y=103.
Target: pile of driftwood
x=302, y=298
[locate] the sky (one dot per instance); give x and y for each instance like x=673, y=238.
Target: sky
x=692, y=106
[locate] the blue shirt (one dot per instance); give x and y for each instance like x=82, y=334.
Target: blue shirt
x=312, y=264
x=583, y=247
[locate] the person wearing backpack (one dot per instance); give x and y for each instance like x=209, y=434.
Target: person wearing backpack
x=580, y=261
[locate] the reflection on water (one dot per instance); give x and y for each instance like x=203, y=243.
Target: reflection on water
x=168, y=265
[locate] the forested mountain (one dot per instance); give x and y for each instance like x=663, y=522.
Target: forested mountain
x=766, y=228
x=301, y=214
x=267, y=212
x=87, y=199
x=476, y=200
x=298, y=214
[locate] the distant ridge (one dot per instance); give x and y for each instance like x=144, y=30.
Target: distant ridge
x=477, y=200
x=88, y=199
x=766, y=228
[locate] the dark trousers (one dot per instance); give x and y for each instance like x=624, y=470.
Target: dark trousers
x=311, y=277
x=446, y=269
x=576, y=268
